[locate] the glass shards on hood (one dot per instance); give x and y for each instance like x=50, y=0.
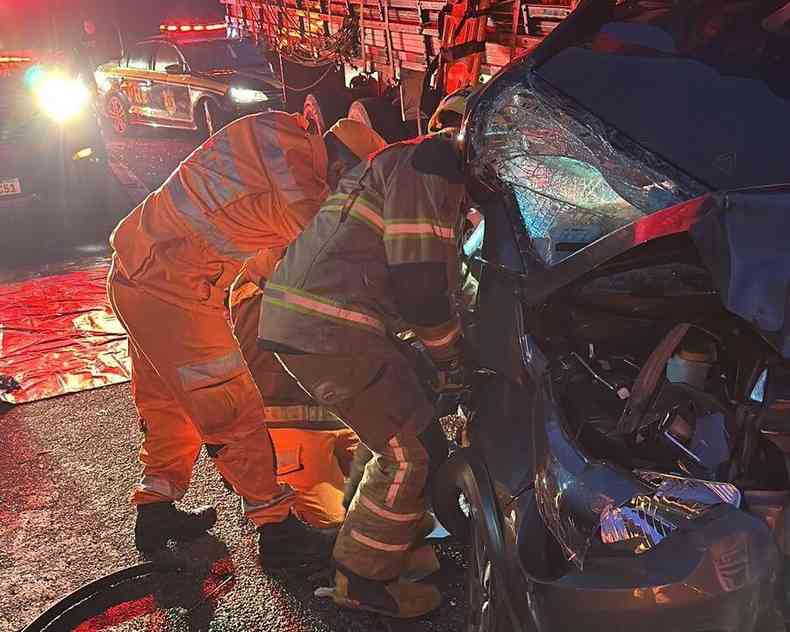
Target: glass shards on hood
x=572, y=179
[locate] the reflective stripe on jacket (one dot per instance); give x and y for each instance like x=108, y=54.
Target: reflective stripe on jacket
x=247, y=191
x=335, y=290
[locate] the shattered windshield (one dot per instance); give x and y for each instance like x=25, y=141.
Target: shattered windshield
x=703, y=84
x=572, y=179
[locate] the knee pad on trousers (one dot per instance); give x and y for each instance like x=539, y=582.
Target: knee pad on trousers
x=436, y=445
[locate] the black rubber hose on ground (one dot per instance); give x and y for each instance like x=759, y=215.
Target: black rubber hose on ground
x=54, y=612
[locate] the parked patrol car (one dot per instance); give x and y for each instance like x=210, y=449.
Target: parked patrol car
x=190, y=77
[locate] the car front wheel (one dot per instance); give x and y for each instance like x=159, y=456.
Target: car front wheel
x=461, y=509
x=485, y=607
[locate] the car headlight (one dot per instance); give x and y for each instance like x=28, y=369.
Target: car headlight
x=247, y=95
x=61, y=98
x=646, y=520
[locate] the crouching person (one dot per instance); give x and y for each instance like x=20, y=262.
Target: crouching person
x=314, y=448
x=380, y=253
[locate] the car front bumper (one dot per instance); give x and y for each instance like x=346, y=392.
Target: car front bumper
x=718, y=577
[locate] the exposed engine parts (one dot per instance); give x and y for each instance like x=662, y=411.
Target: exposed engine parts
x=675, y=409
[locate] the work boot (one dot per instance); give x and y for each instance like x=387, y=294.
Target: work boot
x=159, y=522
x=396, y=598
x=292, y=543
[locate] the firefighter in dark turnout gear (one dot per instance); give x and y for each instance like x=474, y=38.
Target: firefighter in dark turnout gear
x=379, y=257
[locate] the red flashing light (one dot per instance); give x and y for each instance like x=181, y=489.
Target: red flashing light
x=186, y=28
x=14, y=59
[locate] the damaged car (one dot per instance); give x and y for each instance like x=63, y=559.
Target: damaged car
x=626, y=458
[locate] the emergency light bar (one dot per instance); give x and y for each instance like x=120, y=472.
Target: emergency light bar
x=191, y=28
x=14, y=59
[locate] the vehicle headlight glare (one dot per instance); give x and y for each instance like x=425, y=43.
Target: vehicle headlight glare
x=61, y=98
x=246, y=95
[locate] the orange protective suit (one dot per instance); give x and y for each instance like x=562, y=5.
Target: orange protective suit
x=240, y=197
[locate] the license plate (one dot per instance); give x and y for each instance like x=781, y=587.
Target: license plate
x=10, y=187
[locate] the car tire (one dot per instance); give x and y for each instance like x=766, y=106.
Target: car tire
x=117, y=113
x=485, y=606
x=380, y=114
x=459, y=506
x=450, y=503
x=208, y=118
x=323, y=110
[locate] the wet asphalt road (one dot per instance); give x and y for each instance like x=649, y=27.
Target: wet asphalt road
x=66, y=466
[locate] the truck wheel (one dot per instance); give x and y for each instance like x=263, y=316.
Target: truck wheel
x=323, y=110
x=381, y=115
x=118, y=115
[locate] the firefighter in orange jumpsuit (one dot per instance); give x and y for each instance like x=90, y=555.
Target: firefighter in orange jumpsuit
x=232, y=206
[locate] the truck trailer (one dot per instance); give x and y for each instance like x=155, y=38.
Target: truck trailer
x=388, y=63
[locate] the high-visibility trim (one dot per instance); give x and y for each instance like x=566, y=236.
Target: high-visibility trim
x=286, y=494
x=367, y=212
x=216, y=180
x=200, y=374
x=360, y=210
x=406, y=229
x=378, y=545
x=289, y=297
x=388, y=515
x=200, y=223
x=280, y=171
x=442, y=341
x=279, y=414
x=160, y=486
x=400, y=476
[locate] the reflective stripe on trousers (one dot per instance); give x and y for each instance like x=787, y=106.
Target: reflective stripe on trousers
x=160, y=487
x=250, y=509
x=200, y=374
x=275, y=414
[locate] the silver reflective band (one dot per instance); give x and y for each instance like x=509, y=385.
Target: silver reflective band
x=200, y=223
x=160, y=486
x=298, y=413
x=207, y=372
x=286, y=493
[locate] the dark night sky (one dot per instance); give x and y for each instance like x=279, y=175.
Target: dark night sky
x=47, y=23
x=142, y=17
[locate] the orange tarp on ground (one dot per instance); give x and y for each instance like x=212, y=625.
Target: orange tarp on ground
x=58, y=335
